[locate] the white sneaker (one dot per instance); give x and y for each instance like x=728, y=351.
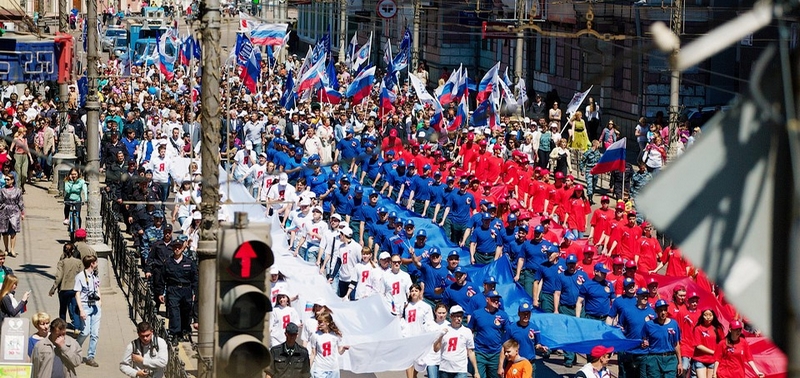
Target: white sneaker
x=66, y=222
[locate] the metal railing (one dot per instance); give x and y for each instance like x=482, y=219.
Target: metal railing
x=132, y=283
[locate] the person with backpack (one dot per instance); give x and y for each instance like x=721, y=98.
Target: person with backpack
x=147, y=356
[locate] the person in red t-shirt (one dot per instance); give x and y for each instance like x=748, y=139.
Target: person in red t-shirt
x=677, y=308
x=627, y=238
x=677, y=266
x=652, y=289
x=649, y=250
x=569, y=247
x=495, y=165
x=732, y=354
x=619, y=220
x=468, y=153
x=563, y=193
x=392, y=143
x=549, y=234
x=576, y=210
x=540, y=193
x=482, y=161
x=616, y=275
x=601, y=222
x=631, y=272
x=587, y=263
x=686, y=324
x=554, y=193
x=707, y=334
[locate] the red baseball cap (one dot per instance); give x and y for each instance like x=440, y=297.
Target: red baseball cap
x=559, y=175
x=651, y=281
x=678, y=288
x=579, y=188
x=392, y=133
x=497, y=147
x=514, y=207
x=693, y=295
x=600, y=351
x=617, y=261
x=630, y=264
x=621, y=206
x=482, y=143
x=604, y=199
x=736, y=325
x=589, y=249
x=646, y=224
x=470, y=136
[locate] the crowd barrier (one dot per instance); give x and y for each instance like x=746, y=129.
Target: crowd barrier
x=133, y=285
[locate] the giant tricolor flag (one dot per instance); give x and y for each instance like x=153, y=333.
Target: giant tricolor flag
x=612, y=160
x=361, y=85
x=488, y=84
x=268, y=34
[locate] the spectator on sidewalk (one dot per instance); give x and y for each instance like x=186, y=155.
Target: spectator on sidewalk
x=87, y=295
x=56, y=355
x=41, y=323
x=147, y=356
x=68, y=266
x=10, y=306
x=12, y=213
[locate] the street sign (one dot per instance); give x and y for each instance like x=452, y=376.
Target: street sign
x=497, y=30
x=386, y=9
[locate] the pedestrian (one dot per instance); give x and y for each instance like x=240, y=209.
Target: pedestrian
x=632, y=320
x=326, y=347
x=661, y=337
x=457, y=346
x=177, y=290
x=707, y=334
x=75, y=194
x=489, y=325
x=733, y=355
x=597, y=367
x=12, y=213
x=22, y=156
x=515, y=366
x=289, y=359
x=56, y=355
x=87, y=295
x=10, y=306
x=41, y=323
x=282, y=315
x=146, y=356
x=68, y=266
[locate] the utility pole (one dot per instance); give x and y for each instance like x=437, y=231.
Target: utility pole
x=675, y=82
x=342, y=30
x=519, y=46
x=94, y=230
x=65, y=154
x=210, y=100
x=415, y=35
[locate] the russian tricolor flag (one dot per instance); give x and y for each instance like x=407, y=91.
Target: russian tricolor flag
x=330, y=96
x=312, y=77
x=461, y=115
x=362, y=85
x=268, y=34
x=612, y=160
x=488, y=83
x=386, y=100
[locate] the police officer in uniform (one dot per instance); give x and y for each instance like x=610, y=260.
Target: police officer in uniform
x=152, y=234
x=179, y=286
x=160, y=251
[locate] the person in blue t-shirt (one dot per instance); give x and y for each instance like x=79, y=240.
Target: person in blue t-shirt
x=293, y=166
x=524, y=333
x=533, y=256
x=460, y=205
x=632, y=320
x=433, y=274
x=476, y=220
x=419, y=198
x=489, y=328
x=479, y=299
x=627, y=299
x=385, y=168
x=460, y=291
x=404, y=187
x=341, y=199
x=567, y=297
x=447, y=190
x=661, y=337
x=317, y=179
x=437, y=198
x=547, y=280
x=393, y=179
x=509, y=232
x=364, y=215
x=485, y=245
x=516, y=247
x=419, y=246
x=370, y=166
x=597, y=294
x=347, y=149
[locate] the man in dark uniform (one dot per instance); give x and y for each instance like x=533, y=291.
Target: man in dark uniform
x=179, y=285
x=290, y=359
x=160, y=251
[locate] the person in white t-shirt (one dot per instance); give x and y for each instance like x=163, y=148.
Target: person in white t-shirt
x=312, y=231
x=269, y=178
x=281, y=197
x=396, y=286
x=282, y=314
x=417, y=314
x=369, y=277
x=310, y=323
x=296, y=220
x=328, y=245
x=456, y=345
x=256, y=174
x=430, y=361
x=349, y=254
x=326, y=347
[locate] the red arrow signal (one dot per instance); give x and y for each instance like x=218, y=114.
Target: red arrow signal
x=245, y=253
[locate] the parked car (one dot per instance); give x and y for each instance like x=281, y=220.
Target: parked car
x=110, y=36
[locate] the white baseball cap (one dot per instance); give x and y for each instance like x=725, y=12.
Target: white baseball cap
x=456, y=309
x=337, y=216
x=283, y=178
x=305, y=202
x=248, y=145
x=384, y=255
x=347, y=231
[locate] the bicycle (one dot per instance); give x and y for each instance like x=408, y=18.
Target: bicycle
x=74, y=219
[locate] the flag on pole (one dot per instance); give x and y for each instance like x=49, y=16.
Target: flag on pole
x=351, y=50
x=424, y=97
x=288, y=98
x=522, y=97
x=268, y=34
x=449, y=87
x=462, y=112
x=505, y=91
x=387, y=55
x=613, y=159
x=167, y=51
x=311, y=77
x=362, y=55
x=577, y=100
x=386, y=100
x=330, y=95
x=488, y=84
x=507, y=79
x=404, y=55
x=438, y=115
x=284, y=43
x=251, y=71
x=247, y=23
x=331, y=80
x=361, y=85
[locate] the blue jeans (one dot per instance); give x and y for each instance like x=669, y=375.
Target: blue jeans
x=433, y=371
x=444, y=374
x=324, y=374
x=163, y=191
x=91, y=328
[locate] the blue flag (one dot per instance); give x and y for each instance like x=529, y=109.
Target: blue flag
x=83, y=90
x=289, y=97
x=404, y=55
x=330, y=73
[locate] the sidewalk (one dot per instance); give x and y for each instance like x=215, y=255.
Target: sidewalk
x=39, y=247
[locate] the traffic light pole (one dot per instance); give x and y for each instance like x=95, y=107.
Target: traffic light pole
x=210, y=101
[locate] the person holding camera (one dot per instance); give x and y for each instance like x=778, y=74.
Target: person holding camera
x=87, y=295
x=147, y=356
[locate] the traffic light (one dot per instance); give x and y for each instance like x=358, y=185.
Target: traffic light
x=244, y=256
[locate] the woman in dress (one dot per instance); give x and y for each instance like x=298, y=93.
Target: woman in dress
x=10, y=306
x=560, y=158
x=12, y=213
x=41, y=323
x=708, y=332
x=580, y=139
x=325, y=133
x=22, y=156
x=327, y=339
x=593, y=118
x=732, y=355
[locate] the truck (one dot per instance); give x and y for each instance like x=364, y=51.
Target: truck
x=143, y=33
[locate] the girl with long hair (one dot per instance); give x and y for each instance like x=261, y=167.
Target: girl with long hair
x=22, y=156
x=282, y=314
x=708, y=332
x=75, y=191
x=10, y=306
x=12, y=213
x=417, y=315
x=733, y=355
x=326, y=346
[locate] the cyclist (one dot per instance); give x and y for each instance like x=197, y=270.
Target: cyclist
x=75, y=192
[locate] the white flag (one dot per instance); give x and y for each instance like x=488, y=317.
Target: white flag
x=577, y=99
x=523, y=92
x=422, y=94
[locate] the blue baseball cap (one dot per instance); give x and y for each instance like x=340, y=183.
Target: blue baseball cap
x=422, y=233
x=539, y=229
x=572, y=259
x=390, y=153
x=298, y=150
x=359, y=189
x=453, y=253
x=350, y=131
x=661, y=303
x=277, y=132
x=525, y=306
x=493, y=294
x=426, y=167
x=642, y=291
x=398, y=222
x=628, y=282
x=437, y=175
x=553, y=249
x=345, y=179
x=313, y=157
x=484, y=202
x=523, y=228
x=601, y=267
x=409, y=223
x=486, y=216
x=401, y=163
x=460, y=270
x=412, y=165
x=489, y=280
x=463, y=182
x=393, y=215
x=491, y=206
x=569, y=236
x=382, y=209
x=513, y=218
x=451, y=179
x=433, y=250
x=158, y=214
